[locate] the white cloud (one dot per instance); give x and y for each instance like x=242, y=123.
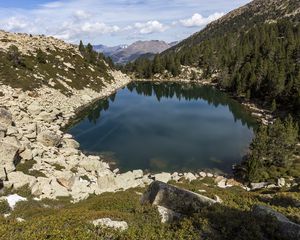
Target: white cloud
x=99, y=27
x=109, y=22
x=55, y=4
x=14, y=24
x=150, y=27
x=197, y=20
x=81, y=15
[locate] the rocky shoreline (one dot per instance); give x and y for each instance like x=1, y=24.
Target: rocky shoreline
x=38, y=154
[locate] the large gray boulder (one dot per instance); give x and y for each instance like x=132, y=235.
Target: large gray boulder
x=9, y=155
x=289, y=229
x=48, y=138
x=5, y=121
x=5, y=118
x=176, y=199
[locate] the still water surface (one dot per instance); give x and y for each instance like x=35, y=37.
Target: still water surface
x=167, y=127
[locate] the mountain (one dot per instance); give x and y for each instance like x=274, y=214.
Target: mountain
x=241, y=19
x=127, y=53
x=108, y=50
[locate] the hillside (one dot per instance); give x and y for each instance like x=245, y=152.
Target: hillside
x=30, y=62
x=128, y=53
x=244, y=18
x=252, y=51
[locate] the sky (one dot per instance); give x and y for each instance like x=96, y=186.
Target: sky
x=112, y=22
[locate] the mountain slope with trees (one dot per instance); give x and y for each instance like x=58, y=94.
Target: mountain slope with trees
x=30, y=62
x=253, y=51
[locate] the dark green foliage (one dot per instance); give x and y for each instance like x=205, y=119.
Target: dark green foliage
x=273, y=151
x=262, y=62
x=4, y=207
x=41, y=57
x=14, y=56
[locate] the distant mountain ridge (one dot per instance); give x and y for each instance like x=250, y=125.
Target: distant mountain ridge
x=127, y=53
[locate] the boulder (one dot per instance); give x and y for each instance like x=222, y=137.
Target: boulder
x=48, y=138
x=288, y=229
x=107, y=183
x=176, y=199
x=129, y=180
x=27, y=154
x=81, y=190
x=71, y=143
x=66, y=182
x=58, y=189
x=46, y=117
x=8, y=157
x=256, y=186
x=19, y=179
x=163, y=177
x=35, y=109
x=190, y=177
x=168, y=215
x=281, y=182
x=107, y=222
x=5, y=118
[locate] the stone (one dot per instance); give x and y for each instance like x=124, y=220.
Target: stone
x=59, y=190
x=281, y=182
x=218, y=199
x=288, y=229
x=176, y=199
x=27, y=154
x=190, y=177
x=167, y=215
x=35, y=109
x=107, y=222
x=20, y=179
x=163, y=177
x=129, y=180
x=202, y=174
x=66, y=182
x=46, y=117
x=81, y=190
x=71, y=143
x=256, y=186
x=210, y=175
x=41, y=186
x=8, y=158
x=175, y=176
x=107, y=183
x=5, y=118
x=48, y=138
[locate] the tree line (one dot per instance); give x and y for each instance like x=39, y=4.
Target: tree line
x=262, y=63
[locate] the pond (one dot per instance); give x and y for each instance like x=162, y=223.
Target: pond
x=167, y=127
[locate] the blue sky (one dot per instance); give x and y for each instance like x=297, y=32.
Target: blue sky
x=112, y=22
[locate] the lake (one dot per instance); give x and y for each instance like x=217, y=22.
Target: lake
x=167, y=127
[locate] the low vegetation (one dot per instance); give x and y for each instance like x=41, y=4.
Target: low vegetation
x=49, y=219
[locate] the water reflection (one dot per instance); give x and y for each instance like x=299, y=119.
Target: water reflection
x=166, y=127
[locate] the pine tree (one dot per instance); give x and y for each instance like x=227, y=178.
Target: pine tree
x=81, y=47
